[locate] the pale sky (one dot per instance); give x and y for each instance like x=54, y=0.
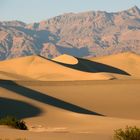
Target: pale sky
x=37, y=10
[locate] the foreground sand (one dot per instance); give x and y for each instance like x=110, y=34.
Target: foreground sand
x=118, y=100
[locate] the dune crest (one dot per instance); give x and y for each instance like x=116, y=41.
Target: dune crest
x=67, y=59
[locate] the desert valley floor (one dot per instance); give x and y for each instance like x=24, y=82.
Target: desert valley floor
x=70, y=98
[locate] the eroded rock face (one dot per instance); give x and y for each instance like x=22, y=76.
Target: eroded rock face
x=83, y=35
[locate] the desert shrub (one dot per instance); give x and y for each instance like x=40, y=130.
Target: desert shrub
x=129, y=133
x=13, y=122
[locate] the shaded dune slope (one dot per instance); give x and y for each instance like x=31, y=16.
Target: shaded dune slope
x=16, y=108
x=44, y=98
x=88, y=66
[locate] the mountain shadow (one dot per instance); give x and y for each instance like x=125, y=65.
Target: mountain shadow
x=40, y=36
x=92, y=66
x=17, y=108
x=79, y=52
x=43, y=98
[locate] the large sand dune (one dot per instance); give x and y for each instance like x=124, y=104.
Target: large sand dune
x=38, y=68
x=70, y=98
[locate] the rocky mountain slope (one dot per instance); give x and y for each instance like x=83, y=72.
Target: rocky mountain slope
x=80, y=34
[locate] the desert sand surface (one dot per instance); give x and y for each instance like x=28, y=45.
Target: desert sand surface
x=66, y=108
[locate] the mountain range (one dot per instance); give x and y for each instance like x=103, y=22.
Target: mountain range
x=87, y=34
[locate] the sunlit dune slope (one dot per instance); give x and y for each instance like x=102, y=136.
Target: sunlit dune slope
x=67, y=59
x=129, y=62
x=36, y=67
x=12, y=76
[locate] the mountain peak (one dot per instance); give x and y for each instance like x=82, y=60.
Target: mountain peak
x=14, y=23
x=134, y=10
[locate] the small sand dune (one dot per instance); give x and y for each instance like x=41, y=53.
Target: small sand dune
x=67, y=59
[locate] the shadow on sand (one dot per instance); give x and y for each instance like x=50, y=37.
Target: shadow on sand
x=93, y=67
x=38, y=96
x=17, y=108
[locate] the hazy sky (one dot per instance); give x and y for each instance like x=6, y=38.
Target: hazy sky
x=37, y=10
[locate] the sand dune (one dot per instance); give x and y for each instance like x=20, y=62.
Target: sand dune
x=95, y=67
x=36, y=67
x=128, y=62
x=65, y=68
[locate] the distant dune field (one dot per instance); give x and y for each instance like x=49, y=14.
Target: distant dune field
x=70, y=98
